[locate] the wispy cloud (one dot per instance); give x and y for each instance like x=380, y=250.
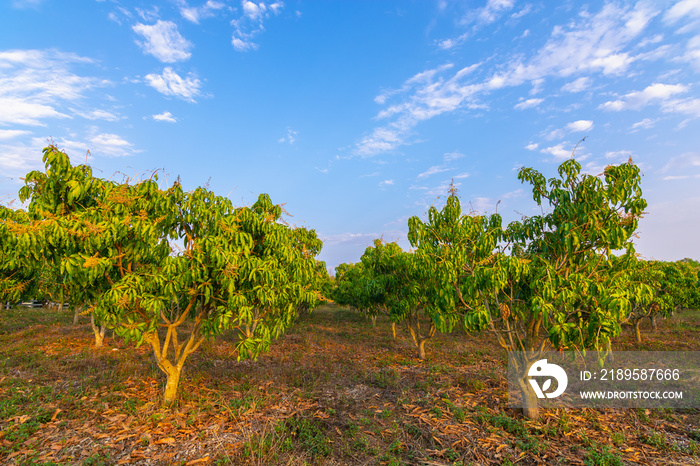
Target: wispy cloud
x=603, y=43
x=163, y=41
x=577, y=85
x=426, y=95
x=432, y=171
x=35, y=84
x=196, y=14
x=477, y=18
x=19, y=112
x=529, y=103
x=250, y=23
x=289, y=138
x=97, y=114
x=682, y=9
x=646, y=123
x=165, y=116
x=386, y=183
x=172, y=84
x=12, y=133
x=639, y=99
x=449, y=156
x=683, y=162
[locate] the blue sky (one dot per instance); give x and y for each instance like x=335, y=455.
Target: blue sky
x=356, y=115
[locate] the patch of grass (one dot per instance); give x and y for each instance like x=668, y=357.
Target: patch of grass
x=602, y=455
x=386, y=378
x=617, y=438
x=660, y=441
x=502, y=421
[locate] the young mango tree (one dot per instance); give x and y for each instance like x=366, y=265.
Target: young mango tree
x=548, y=281
x=356, y=286
x=681, y=282
x=649, y=297
x=240, y=270
x=19, y=271
x=92, y=232
x=405, y=291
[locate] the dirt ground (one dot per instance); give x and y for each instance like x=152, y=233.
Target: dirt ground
x=333, y=390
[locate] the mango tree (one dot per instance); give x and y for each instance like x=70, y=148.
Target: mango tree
x=546, y=282
x=240, y=268
x=649, y=297
x=405, y=294
x=93, y=232
x=357, y=287
x=19, y=271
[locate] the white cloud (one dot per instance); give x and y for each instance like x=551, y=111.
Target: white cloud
x=557, y=151
x=532, y=146
x=644, y=124
x=594, y=43
x=250, y=23
x=684, y=8
x=20, y=112
x=346, y=238
x=289, y=138
x=430, y=95
x=603, y=42
x=163, y=41
x=19, y=157
x=34, y=82
x=195, y=14
x=477, y=18
x=618, y=156
x=170, y=83
x=638, y=99
x=580, y=125
x=529, y=103
x=517, y=193
x=12, y=133
x=432, y=171
x=386, y=183
x=165, y=116
x=482, y=205
x=96, y=114
x=687, y=107
x=241, y=45
x=577, y=85
x=110, y=145
x=683, y=162
x=449, y=156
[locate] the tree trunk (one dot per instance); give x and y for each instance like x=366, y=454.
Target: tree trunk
x=393, y=330
x=373, y=318
x=171, y=384
x=531, y=409
x=421, y=349
x=654, y=324
x=76, y=315
x=98, y=331
x=637, y=331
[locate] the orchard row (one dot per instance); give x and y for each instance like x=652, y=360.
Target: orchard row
x=169, y=268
